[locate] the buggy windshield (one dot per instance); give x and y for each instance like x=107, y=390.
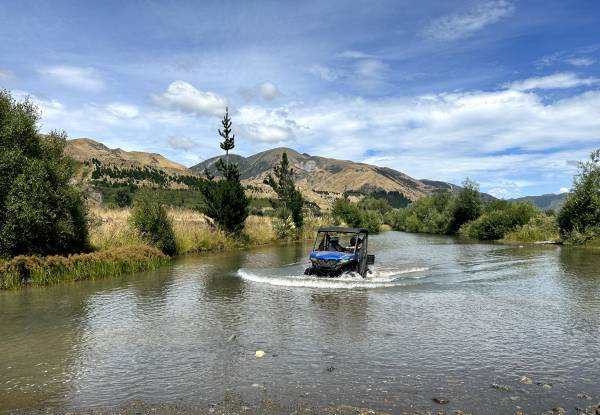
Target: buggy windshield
x=338, y=242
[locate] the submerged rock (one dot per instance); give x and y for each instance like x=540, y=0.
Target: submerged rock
x=440, y=400
x=525, y=380
x=584, y=396
x=504, y=388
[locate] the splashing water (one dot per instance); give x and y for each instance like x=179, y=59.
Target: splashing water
x=376, y=278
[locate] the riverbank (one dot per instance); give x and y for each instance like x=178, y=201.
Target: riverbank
x=119, y=250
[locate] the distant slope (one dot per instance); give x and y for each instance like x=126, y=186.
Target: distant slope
x=547, y=201
x=82, y=149
x=327, y=175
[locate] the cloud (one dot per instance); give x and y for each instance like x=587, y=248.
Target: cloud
x=581, y=61
x=266, y=133
x=6, y=75
x=564, y=190
x=371, y=68
x=460, y=26
x=324, y=72
x=123, y=110
x=82, y=78
x=181, y=143
x=185, y=97
x=556, y=81
x=268, y=90
x=353, y=54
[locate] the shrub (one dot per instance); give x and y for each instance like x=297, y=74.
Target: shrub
x=466, y=207
x=499, y=218
x=123, y=198
x=149, y=218
x=432, y=214
x=579, y=218
x=372, y=221
x=40, y=212
x=283, y=184
x=542, y=227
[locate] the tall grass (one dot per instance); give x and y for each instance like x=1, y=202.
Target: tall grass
x=32, y=270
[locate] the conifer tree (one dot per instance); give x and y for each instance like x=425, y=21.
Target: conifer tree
x=288, y=195
x=228, y=142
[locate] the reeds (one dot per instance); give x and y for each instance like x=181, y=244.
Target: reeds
x=39, y=271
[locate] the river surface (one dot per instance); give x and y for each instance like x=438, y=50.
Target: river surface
x=437, y=317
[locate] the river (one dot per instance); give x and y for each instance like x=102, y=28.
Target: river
x=437, y=318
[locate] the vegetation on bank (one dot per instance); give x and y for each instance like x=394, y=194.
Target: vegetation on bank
x=40, y=271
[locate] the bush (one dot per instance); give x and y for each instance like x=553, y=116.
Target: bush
x=499, y=218
x=432, y=214
x=123, y=198
x=40, y=212
x=466, y=207
x=542, y=227
x=149, y=218
x=344, y=211
x=579, y=218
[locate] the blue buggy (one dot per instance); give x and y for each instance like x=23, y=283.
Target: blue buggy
x=338, y=250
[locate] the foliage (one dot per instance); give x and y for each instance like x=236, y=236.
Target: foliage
x=284, y=226
x=542, y=227
x=382, y=206
x=432, y=214
x=290, y=198
x=467, y=205
x=40, y=212
x=499, y=218
x=123, y=198
x=579, y=218
x=226, y=200
x=228, y=141
x=149, y=218
x=37, y=270
x=345, y=211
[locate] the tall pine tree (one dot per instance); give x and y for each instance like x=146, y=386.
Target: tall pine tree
x=288, y=195
x=226, y=201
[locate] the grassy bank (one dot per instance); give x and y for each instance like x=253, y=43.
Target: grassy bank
x=119, y=250
x=40, y=271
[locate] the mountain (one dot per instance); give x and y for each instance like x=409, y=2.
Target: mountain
x=82, y=149
x=547, y=201
x=321, y=175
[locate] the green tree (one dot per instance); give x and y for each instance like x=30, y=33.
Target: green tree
x=149, y=217
x=40, y=212
x=579, y=218
x=225, y=199
x=289, y=196
x=123, y=198
x=467, y=206
x=228, y=141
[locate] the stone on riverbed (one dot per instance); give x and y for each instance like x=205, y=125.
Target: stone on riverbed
x=525, y=380
x=440, y=400
x=504, y=388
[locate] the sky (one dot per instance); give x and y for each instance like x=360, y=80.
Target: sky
x=504, y=92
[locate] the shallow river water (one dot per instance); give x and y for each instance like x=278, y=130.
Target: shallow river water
x=437, y=317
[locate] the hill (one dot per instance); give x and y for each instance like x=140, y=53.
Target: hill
x=323, y=176
x=547, y=201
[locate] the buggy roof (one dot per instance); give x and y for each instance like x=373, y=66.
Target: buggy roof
x=342, y=229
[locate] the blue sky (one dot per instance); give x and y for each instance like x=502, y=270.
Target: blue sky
x=504, y=92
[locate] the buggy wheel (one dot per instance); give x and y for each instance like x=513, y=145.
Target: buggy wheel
x=309, y=271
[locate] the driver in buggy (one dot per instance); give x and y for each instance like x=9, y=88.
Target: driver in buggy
x=334, y=244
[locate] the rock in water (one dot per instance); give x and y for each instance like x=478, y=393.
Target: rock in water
x=525, y=380
x=441, y=401
x=504, y=388
x=259, y=353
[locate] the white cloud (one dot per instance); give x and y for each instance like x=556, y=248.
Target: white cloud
x=86, y=79
x=564, y=190
x=185, y=97
x=353, y=54
x=556, y=81
x=181, y=143
x=123, y=110
x=582, y=61
x=268, y=90
x=266, y=133
x=461, y=26
x=324, y=72
x=6, y=75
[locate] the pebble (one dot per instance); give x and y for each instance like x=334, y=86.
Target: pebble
x=441, y=400
x=330, y=369
x=584, y=396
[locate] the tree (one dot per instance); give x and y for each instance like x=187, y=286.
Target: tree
x=228, y=142
x=467, y=206
x=288, y=195
x=149, y=217
x=123, y=198
x=226, y=200
x=40, y=212
x=579, y=217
